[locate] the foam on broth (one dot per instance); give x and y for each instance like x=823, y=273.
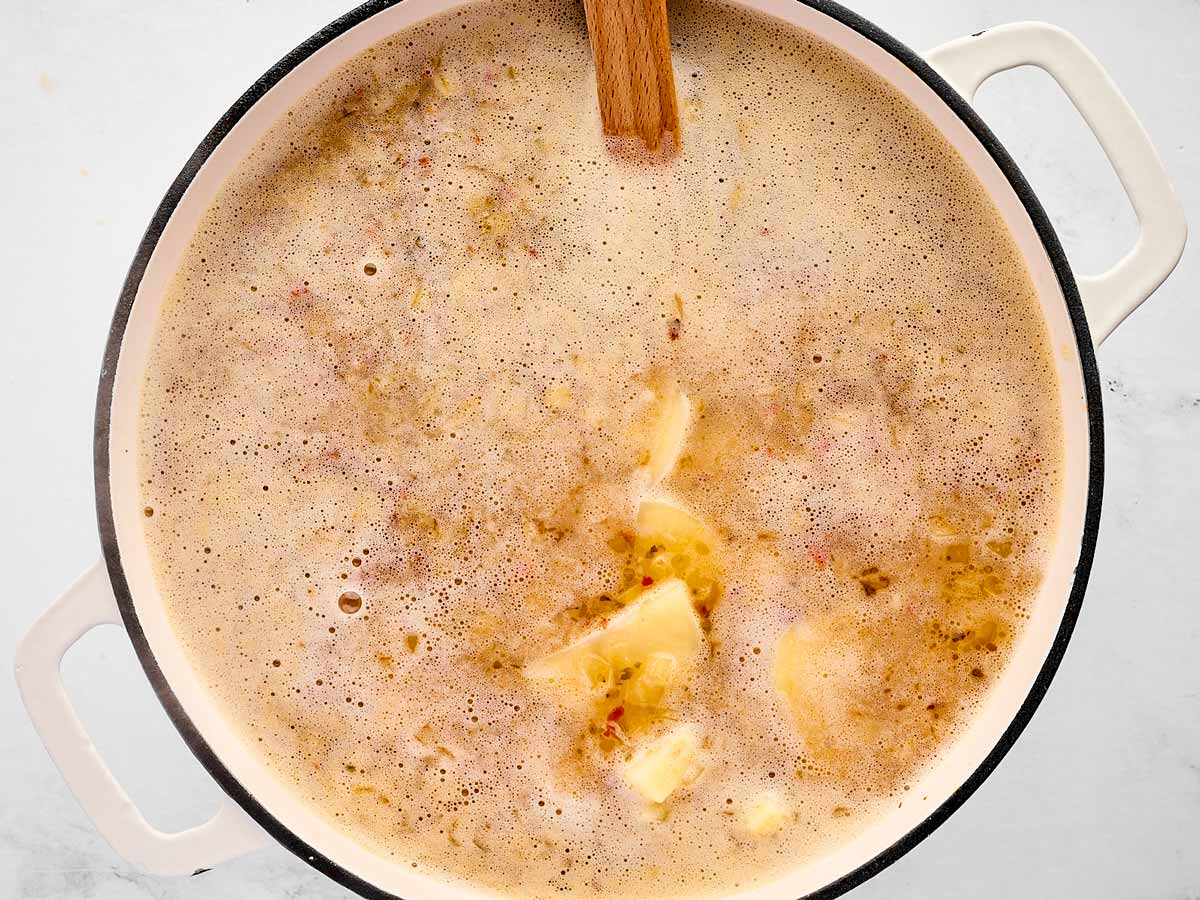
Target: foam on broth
x=393, y=421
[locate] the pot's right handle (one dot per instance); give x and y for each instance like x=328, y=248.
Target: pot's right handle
x=87, y=603
x=1107, y=298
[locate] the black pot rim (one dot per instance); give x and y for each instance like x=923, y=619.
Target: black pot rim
x=188, y=730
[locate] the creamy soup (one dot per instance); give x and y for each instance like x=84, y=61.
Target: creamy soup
x=556, y=518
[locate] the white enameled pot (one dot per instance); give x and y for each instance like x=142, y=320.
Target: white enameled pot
x=258, y=808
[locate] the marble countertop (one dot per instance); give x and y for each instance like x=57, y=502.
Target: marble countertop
x=103, y=101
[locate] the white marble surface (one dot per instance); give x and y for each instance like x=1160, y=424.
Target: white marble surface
x=101, y=103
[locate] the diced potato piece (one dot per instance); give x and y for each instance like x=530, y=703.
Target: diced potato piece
x=812, y=672
x=662, y=767
x=767, y=815
x=668, y=524
x=658, y=633
x=671, y=542
x=796, y=666
x=670, y=432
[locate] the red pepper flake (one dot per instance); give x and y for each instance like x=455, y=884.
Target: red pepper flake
x=611, y=729
x=673, y=329
x=297, y=291
x=532, y=251
x=424, y=161
x=703, y=610
x=647, y=581
x=764, y=231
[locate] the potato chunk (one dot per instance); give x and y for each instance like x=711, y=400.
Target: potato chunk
x=668, y=523
x=659, y=769
x=658, y=634
x=671, y=542
x=767, y=815
x=813, y=674
x=670, y=432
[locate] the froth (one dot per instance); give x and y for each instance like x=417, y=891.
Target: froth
x=394, y=418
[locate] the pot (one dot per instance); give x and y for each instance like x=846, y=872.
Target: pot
x=1079, y=314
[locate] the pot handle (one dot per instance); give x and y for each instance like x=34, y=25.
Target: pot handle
x=87, y=603
x=1111, y=296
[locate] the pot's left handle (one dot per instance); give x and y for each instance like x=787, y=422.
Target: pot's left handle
x=1110, y=296
x=87, y=603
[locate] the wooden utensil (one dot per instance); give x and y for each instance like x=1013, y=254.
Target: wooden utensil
x=631, y=47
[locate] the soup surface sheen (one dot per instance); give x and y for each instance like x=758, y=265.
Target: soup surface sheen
x=561, y=520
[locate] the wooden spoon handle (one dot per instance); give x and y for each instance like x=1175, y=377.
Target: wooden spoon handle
x=631, y=47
